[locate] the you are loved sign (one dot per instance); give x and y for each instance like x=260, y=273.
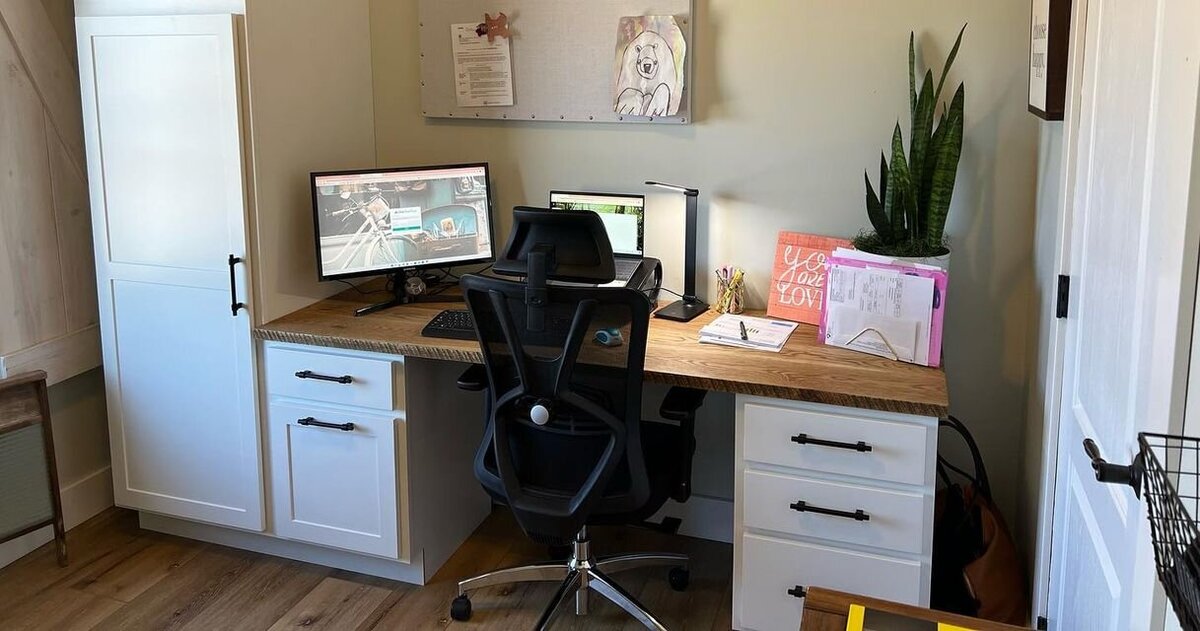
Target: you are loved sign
x=798, y=276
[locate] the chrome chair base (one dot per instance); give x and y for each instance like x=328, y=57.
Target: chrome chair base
x=578, y=576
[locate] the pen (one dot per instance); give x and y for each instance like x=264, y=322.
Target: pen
x=742, y=324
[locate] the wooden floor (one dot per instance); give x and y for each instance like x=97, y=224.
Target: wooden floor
x=122, y=577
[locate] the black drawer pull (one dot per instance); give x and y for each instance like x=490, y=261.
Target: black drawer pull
x=234, y=305
x=798, y=592
x=804, y=439
x=805, y=507
x=312, y=422
x=308, y=374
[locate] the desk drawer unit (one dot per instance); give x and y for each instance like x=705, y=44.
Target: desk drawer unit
x=334, y=477
x=835, y=443
x=886, y=519
x=830, y=497
x=333, y=378
x=775, y=572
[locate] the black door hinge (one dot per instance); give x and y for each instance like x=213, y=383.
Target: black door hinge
x=1042, y=623
x=1064, y=296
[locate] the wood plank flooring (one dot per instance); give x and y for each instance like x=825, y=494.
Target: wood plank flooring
x=122, y=577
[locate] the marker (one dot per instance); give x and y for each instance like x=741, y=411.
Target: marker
x=742, y=324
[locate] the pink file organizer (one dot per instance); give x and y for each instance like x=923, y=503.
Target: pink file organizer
x=938, y=307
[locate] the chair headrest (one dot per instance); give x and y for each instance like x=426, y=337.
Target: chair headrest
x=574, y=242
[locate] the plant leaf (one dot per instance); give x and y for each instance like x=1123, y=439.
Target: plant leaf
x=899, y=184
x=883, y=175
x=912, y=77
x=949, y=62
x=931, y=155
x=922, y=131
x=879, y=219
x=945, y=171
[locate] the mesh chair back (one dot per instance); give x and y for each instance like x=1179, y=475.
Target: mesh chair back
x=589, y=453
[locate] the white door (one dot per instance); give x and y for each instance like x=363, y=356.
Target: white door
x=164, y=148
x=1132, y=268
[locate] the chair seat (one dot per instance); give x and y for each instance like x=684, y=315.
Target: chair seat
x=661, y=444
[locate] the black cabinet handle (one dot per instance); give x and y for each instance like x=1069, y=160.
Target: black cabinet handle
x=234, y=305
x=312, y=422
x=798, y=592
x=804, y=439
x=805, y=507
x=308, y=374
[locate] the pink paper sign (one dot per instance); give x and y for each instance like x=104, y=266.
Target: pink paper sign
x=798, y=277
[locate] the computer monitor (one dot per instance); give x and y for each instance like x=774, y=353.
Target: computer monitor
x=389, y=221
x=624, y=217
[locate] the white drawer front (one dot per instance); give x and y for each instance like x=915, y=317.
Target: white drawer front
x=335, y=486
x=771, y=567
x=893, y=520
x=897, y=450
x=356, y=381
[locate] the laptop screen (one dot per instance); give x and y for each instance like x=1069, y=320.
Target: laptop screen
x=623, y=215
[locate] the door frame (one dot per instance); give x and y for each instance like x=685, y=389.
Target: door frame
x=1051, y=403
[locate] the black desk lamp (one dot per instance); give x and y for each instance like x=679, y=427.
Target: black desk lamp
x=690, y=306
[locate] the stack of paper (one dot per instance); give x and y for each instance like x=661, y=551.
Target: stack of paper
x=761, y=333
x=884, y=307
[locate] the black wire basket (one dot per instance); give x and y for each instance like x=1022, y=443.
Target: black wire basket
x=1169, y=467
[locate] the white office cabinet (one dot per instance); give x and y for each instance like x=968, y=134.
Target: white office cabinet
x=333, y=477
x=164, y=144
x=201, y=130
x=829, y=497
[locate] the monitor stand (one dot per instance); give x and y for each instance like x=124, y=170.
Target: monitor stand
x=401, y=297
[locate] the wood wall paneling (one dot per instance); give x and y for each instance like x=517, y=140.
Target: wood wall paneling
x=73, y=218
x=30, y=278
x=48, y=307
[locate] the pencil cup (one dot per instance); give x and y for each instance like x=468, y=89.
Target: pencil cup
x=731, y=295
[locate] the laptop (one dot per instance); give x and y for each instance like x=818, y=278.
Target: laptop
x=624, y=218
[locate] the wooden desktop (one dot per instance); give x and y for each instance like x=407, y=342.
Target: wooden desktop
x=804, y=371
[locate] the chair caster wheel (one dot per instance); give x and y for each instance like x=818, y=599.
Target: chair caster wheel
x=460, y=609
x=679, y=577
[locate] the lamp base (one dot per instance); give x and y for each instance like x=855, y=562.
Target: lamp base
x=682, y=311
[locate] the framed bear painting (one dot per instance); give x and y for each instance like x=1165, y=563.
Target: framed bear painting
x=1049, y=40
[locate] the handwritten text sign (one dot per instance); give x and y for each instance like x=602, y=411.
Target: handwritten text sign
x=798, y=277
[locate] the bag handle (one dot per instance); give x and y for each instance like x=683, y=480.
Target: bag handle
x=980, y=477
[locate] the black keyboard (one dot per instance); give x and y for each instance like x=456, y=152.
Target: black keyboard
x=453, y=324
x=626, y=268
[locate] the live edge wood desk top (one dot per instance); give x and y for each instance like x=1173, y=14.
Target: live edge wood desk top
x=805, y=370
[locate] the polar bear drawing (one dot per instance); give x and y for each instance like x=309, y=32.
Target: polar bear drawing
x=648, y=81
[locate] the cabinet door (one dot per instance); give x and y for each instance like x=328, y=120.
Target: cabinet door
x=333, y=478
x=161, y=104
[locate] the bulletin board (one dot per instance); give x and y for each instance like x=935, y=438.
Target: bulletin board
x=563, y=58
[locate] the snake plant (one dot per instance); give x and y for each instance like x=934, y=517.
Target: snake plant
x=909, y=212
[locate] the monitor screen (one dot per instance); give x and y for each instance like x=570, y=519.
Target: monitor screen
x=624, y=216
x=374, y=222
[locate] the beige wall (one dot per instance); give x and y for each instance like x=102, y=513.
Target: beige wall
x=793, y=100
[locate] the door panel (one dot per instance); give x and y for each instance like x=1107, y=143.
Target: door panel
x=179, y=394
x=165, y=171
x=164, y=179
x=1132, y=266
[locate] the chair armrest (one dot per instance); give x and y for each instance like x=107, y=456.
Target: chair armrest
x=681, y=404
x=473, y=379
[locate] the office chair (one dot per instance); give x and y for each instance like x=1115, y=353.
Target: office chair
x=565, y=446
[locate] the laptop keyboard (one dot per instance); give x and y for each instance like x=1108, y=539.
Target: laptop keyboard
x=626, y=268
